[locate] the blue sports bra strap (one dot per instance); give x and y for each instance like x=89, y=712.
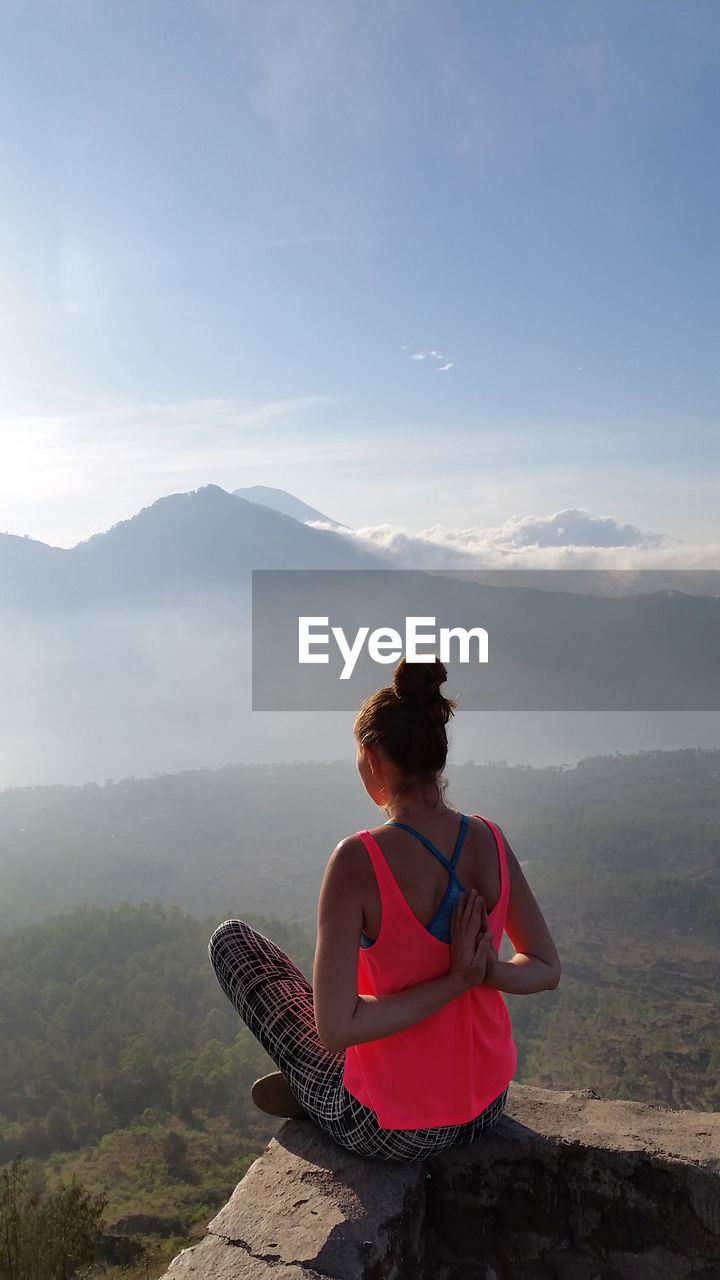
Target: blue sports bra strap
x=459, y=841
x=421, y=838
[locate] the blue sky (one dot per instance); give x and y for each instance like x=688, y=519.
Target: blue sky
x=227, y=228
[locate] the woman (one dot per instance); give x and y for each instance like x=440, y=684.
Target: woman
x=402, y=1047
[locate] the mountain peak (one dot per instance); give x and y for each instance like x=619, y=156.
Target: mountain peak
x=286, y=503
x=189, y=543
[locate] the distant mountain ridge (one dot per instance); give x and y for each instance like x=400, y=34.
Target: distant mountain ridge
x=183, y=543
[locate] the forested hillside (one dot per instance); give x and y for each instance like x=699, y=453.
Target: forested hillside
x=124, y=1062
x=97, y=1010
x=257, y=837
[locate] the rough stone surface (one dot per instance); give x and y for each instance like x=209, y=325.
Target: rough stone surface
x=568, y=1186
x=308, y=1208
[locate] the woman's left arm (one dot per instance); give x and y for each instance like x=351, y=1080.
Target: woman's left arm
x=342, y=1016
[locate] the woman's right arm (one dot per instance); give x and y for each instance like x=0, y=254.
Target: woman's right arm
x=536, y=963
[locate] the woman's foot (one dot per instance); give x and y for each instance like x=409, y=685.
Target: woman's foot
x=273, y=1095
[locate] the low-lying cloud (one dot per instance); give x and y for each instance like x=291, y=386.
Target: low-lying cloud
x=568, y=539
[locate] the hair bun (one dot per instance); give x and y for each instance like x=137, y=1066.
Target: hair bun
x=408, y=720
x=419, y=682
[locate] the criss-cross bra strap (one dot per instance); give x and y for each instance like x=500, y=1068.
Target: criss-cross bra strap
x=429, y=845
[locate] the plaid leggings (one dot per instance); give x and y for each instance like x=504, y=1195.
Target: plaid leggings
x=276, y=1002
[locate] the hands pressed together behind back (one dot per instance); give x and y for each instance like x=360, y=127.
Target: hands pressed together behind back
x=472, y=950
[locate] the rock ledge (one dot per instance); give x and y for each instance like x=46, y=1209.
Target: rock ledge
x=568, y=1186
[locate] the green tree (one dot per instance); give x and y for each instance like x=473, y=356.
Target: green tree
x=46, y=1235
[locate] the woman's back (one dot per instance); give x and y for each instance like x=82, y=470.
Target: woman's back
x=421, y=877
x=446, y=1068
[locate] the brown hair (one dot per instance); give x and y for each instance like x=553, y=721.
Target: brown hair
x=408, y=719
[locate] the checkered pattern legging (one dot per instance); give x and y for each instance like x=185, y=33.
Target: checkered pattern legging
x=275, y=1000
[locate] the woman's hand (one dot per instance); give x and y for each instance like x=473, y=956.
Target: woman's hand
x=471, y=942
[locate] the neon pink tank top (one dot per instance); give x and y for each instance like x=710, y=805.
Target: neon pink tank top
x=447, y=1068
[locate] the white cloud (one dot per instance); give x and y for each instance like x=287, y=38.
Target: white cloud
x=444, y=367
x=570, y=539
x=573, y=527
x=433, y=355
